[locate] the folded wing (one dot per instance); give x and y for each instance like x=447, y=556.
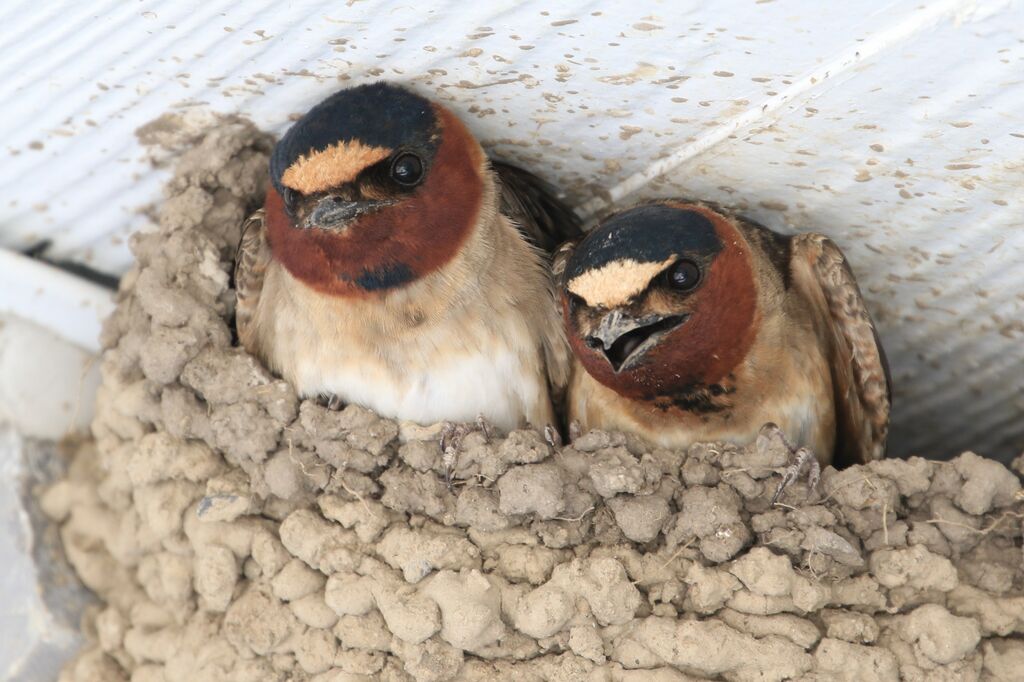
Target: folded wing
x=860, y=372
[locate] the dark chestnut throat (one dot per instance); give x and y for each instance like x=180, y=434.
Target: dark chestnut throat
x=700, y=399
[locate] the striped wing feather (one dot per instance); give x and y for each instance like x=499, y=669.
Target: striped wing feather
x=860, y=372
x=251, y=260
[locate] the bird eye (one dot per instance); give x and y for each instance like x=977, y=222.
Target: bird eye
x=407, y=169
x=684, y=275
x=291, y=199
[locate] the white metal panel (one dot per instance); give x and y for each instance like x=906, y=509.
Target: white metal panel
x=63, y=303
x=47, y=384
x=43, y=598
x=765, y=105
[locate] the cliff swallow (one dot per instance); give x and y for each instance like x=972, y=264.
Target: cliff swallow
x=395, y=266
x=691, y=324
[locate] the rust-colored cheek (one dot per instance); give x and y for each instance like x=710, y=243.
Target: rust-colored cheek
x=721, y=328
x=397, y=245
x=708, y=346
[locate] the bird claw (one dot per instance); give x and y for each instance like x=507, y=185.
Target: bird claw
x=552, y=437
x=772, y=430
x=575, y=430
x=331, y=402
x=452, y=435
x=483, y=427
x=451, y=439
x=805, y=460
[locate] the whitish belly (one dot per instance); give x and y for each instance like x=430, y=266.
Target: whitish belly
x=496, y=386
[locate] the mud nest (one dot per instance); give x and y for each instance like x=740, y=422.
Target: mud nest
x=234, y=532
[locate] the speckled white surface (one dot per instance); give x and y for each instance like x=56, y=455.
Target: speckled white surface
x=895, y=127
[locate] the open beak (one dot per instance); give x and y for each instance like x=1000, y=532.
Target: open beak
x=622, y=337
x=334, y=213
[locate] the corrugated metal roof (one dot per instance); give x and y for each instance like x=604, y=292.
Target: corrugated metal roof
x=897, y=128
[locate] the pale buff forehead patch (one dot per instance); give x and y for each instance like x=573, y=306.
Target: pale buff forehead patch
x=336, y=165
x=614, y=283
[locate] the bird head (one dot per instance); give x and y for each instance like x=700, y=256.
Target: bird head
x=372, y=189
x=660, y=300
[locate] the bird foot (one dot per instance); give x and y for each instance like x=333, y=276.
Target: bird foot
x=331, y=402
x=552, y=437
x=452, y=435
x=805, y=460
x=575, y=430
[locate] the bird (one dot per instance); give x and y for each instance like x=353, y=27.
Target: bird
x=689, y=323
x=395, y=266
